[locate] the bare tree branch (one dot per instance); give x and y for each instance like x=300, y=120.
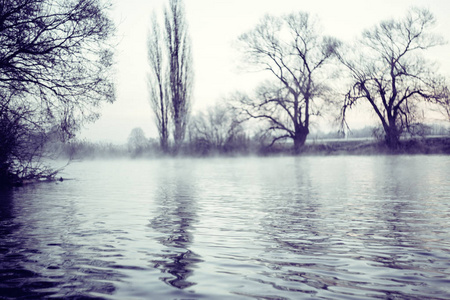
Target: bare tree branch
x=389, y=72
x=55, y=72
x=295, y=54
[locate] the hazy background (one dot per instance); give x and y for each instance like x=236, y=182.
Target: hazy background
x=214, y=26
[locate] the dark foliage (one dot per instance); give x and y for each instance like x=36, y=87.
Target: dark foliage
x=55, y=61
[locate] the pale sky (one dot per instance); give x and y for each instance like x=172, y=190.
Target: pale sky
x=214, y=26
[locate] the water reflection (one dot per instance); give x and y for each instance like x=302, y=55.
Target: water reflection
x=44, y=251
x=272, y=228
x=6, y=212
x=12, y=274
x=402, y=237
x=335, y=232
x=299, y=233
x=176, y=215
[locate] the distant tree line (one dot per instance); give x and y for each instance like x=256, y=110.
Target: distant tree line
x=209, y=134
x=308, y=75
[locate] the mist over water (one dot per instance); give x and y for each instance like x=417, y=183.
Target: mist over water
x=336, y=227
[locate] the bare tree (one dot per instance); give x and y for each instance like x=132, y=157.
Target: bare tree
x=171, y=77
x=216, y=129
x=388, y=71
x=55, y=60
x=444, y=103
x=158, y=83
x=137, y=142
x=180, y=69
x=292, y=51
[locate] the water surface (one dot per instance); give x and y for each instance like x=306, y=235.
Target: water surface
x=338, y=227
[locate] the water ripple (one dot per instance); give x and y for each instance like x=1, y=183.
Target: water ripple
x=273, y=228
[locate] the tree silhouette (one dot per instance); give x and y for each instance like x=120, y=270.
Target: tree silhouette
x=217, y=129
x=171, y=76
x=157, y=84
x=55, y=59
x=388, y=71
x=294, y=53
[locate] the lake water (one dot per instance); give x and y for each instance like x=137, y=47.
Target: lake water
x=337, y=227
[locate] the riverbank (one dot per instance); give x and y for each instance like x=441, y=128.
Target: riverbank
x=428, y=145
x=439, y=145
x=356, y=146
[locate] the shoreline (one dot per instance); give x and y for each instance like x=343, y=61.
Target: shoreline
x=364, y=146
x=439, y=145
x=423, y=146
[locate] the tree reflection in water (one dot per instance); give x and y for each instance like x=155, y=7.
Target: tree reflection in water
x=175, y=219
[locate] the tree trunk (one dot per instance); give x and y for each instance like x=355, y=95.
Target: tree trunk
x=164, y=143
x=178, y=134
x=300, y=138
x=392, y=136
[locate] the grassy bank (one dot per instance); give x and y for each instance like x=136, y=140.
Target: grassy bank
x=429, y=145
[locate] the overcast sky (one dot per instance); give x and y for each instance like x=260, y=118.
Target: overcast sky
x=214, y=25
